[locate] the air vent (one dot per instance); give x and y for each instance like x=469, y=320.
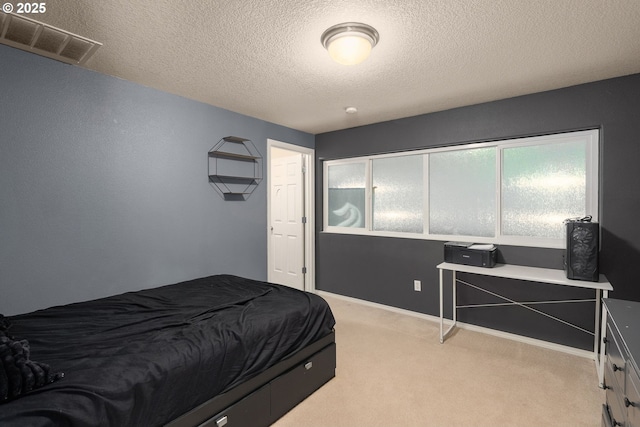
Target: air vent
x=33, y=36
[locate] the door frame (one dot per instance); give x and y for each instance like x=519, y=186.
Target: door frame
x=308, y=188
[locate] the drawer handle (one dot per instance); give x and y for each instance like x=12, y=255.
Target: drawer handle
x=617, y=368
x=628, y=403
x=308, y=365
x=610, y=417
x=222, y=421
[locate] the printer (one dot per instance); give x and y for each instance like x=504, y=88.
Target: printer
x=478, y=255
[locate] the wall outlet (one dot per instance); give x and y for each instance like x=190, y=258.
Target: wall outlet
x=417, y=285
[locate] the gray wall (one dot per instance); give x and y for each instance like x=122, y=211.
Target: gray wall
x=103, y=187
x=382, y=270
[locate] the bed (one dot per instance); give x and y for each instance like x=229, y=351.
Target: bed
x=215, y=351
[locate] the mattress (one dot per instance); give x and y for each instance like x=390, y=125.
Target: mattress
x=144, y=358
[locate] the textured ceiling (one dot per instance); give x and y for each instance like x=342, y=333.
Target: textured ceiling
x=263, y=58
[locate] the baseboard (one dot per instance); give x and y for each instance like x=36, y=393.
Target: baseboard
x=436, y=319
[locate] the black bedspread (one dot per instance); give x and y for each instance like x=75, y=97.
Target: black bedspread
x=144, y=358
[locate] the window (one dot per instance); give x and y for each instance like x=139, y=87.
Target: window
x=541, y=186
x=346, y=199
x=397, y=194
x=515, y=191
x=460, y=182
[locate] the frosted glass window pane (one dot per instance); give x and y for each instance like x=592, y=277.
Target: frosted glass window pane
x=397, y=194
x=346, y=195
x=542, y=186
x=462, y=192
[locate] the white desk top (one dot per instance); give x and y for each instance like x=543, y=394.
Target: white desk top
x=533, y=274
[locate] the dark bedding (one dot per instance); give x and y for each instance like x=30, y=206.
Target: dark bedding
x=144, y=358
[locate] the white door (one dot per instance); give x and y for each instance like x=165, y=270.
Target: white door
x=287, y=227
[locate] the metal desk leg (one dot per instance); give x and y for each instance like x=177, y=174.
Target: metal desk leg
x=601, y=333
x=596, y=328
x=441, y=311
x=443, y=333
x=454, y=301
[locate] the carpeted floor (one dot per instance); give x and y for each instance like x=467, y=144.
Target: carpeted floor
x=393, y=371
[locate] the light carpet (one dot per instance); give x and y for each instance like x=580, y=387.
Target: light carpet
x=393, y=371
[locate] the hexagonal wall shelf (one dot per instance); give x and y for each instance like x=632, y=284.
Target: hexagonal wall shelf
x=235, y=168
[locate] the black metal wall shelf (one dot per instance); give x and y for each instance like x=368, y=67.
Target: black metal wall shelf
x=232, y=155
x=235, y=168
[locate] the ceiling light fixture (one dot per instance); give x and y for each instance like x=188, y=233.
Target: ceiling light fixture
x=350, y=43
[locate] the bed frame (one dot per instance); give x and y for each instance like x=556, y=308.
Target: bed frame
x=269, y=395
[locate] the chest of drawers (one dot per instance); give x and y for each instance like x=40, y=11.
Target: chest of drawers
x=621, y=373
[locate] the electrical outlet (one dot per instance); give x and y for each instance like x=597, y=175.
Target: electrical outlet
x=417, y=285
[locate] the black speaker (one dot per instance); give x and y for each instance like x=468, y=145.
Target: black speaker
x=581, y=255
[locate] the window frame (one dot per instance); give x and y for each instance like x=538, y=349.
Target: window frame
x=592, y=195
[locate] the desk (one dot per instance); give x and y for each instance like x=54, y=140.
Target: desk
x=533, y=274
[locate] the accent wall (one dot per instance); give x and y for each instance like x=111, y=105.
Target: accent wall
x=382, y=270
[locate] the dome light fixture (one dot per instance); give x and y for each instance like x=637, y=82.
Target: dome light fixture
x=350, y=43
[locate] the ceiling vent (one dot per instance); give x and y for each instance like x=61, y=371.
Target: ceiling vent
x=33, y=36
